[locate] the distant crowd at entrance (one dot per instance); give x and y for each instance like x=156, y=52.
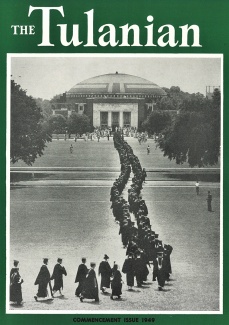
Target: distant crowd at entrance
x=100, y=132
x=116, y=120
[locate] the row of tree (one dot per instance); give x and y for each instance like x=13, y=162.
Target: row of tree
x=32, y=125
x=74, y=124
x=28, y=132
x=193, y=135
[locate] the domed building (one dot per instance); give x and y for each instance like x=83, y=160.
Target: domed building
x=111, y=100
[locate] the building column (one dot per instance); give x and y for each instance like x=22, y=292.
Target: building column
x=121, y=119
x=153, y=104
x=109, y=119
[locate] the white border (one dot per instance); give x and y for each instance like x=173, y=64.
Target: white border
x=116, y=312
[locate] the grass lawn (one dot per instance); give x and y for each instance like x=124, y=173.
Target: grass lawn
x=99, y=154
x=58, y=216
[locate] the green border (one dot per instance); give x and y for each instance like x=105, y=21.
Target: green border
x=212, y=18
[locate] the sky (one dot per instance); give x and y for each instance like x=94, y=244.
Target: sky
x=46, y=76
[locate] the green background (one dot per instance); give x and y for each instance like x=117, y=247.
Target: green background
x=212, y=18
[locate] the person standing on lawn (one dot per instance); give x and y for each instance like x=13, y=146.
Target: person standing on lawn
x=57, y=276
x=15, y=284
x=81, y=276
x=90, y=286
x=43, y=280
x=128, y=269
x=209, y=201
x=105, y=271
x=116, y=283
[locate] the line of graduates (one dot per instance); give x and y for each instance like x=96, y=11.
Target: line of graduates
x=43, y=280
x=134, y=266
x=142, y=243
x=86, y=278
x=87, y=281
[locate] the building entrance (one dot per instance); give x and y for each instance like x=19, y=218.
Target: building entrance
x=115, y=115
x=114, y=120
x=126, y=119
x=104, y=119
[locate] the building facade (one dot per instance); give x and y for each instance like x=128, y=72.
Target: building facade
x=111, y=100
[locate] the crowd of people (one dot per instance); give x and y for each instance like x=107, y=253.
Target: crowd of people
x=143, y=246
x=106, y=132
x=142, y=137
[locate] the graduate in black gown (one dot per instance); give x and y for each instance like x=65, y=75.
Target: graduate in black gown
x=90, y=287
x=128, y=269
x=105, y=271
x=43, y=280
x=144, y=175
x=167, y=262
x=139, y=269
x=116, y=283
x=81, y=276
x=57, y=276
x=161, y=274
x=15, y=284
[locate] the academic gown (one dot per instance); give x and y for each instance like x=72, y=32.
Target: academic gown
x=139, y=267
x=57, y=276
x=90, y=286
x=161, y=275
x=128, y=269
x=116, y=284
x=105, y=271
x=144, y=175
x=15, y=286
x=42, y=280
x=80, y=278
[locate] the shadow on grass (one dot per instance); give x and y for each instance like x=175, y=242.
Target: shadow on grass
x=14, y=305
x=61, y=298
x=46, y=302
x=164, y=290
x=134, y=291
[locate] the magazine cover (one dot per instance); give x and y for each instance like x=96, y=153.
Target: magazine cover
x=113, y=191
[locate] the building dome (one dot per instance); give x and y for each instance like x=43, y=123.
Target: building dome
x=117, y=83
x=113, y=100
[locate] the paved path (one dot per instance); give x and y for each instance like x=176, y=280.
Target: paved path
x=107, y=183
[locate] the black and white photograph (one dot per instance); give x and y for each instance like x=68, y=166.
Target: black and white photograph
x=114, y=184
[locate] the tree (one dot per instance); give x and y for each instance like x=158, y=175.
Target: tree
x=45, y=106
x=28, y=136
x=166, y=103
x=194, y=136
x=195, y=102
x=156, y=122
x=79, y=123
x=57, y=123
x=176, y=99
